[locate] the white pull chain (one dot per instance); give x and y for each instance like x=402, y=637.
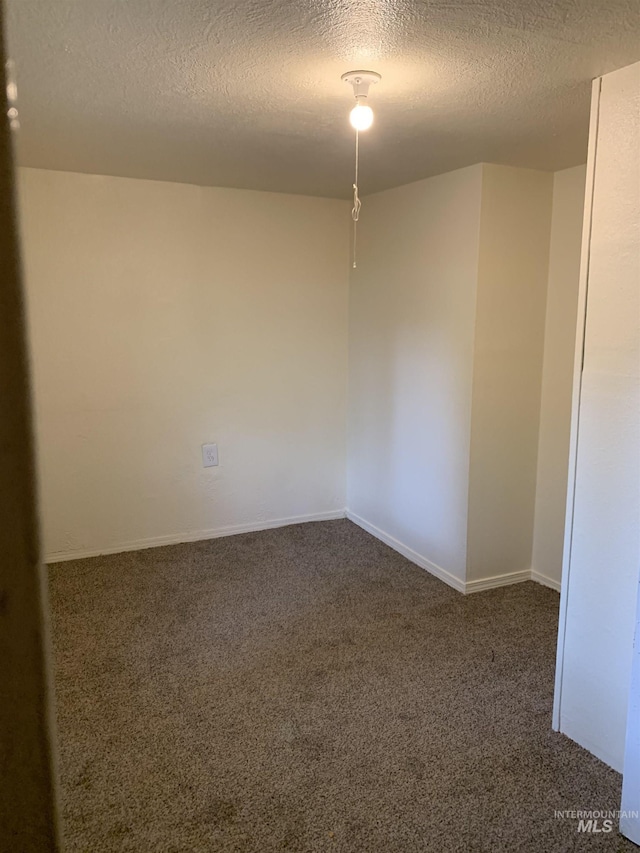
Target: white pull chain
x=357, y=204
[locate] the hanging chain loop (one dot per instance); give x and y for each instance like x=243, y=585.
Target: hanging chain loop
x=357, y=204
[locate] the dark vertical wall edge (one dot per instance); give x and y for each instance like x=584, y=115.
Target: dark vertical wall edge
x=27, y=767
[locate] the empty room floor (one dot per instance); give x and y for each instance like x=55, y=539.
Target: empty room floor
x=309, y=689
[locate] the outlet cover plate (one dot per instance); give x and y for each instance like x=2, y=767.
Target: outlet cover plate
x=209, y=455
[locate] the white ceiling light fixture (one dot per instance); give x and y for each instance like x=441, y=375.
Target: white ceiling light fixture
x=361, y=118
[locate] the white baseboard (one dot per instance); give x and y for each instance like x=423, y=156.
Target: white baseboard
x=217, y=532
x=467, y=587
x=494, y=582
x=195, y=536
x=538, y=577
x=407, y=552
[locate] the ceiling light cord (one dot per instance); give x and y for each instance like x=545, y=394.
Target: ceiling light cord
x=361, y=118
x=357, y=204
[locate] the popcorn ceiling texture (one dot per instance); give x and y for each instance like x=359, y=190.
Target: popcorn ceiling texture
x=247, y=93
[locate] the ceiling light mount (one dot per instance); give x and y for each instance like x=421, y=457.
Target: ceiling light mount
x=361, y=81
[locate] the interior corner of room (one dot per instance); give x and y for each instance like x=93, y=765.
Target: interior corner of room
x=459, y=375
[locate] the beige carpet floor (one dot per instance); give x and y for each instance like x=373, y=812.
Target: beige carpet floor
x=308, y=689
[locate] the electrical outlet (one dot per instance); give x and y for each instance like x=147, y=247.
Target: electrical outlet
x=209, y=455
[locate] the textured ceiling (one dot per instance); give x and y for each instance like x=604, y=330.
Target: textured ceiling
x=247, y=93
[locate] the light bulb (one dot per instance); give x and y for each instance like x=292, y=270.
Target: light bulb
x=361, y=117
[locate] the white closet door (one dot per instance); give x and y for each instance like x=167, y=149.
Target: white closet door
x=630, y=808
x=603, y=530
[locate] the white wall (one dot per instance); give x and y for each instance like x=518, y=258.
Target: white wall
x=447, y=315
x=600, y=583
x=557, y=374
x=164, y=316
x=508, y=353
x=412, y=309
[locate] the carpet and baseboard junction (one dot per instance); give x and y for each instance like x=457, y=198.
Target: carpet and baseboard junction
x=252, y=527
x=309, y=689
